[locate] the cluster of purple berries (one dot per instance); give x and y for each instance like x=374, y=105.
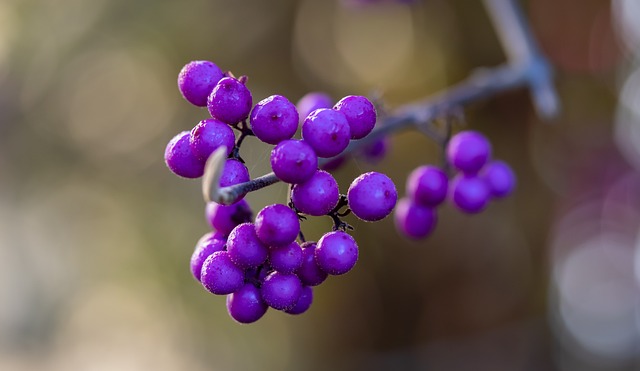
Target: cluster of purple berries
x=257, y=262
x=477, y=181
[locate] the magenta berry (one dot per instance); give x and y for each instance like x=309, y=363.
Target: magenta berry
x=230, y=101
x=197, y=79
x=223, y=218
x=277, y=225
x=470, y=194
x=274, y=119
x=427, y=185
x=360, y=114
x=327, y=132
x=372, y=196
x=414, y=220
x=245, y=248
x=286, y=259
x=281, y=291
x=318, y=195
x=499, y=178
x=303, y=303
x=309, y=272
x=207, y=245
x=209, y=135
x=294, y=161
x=336, y=253
x=246, y=304
x=219, y=275
x=468, y=151
x=180, y=158
x=311, y=102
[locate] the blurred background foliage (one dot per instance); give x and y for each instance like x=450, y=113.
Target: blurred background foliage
x=96, y=233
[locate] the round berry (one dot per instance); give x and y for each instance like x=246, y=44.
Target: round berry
x=281, y=291
x=230, y=101
x=244, y=247
x=223, y=218
x=219, y=275
x=427, y=185
x=207, y=245
x=414, y=220
x=196, y=81
x=337, y=253
x=209, y=135
x=311, y=102
x=304, y=302
x=277, y=225
x=468, y=151
x=360, y=113
x=470, y=194
x=309, y=272
x=499, y=178
x=181, y=160
x=327, y=132
x=317, y=196
x=372, y=196
x=286, y=259
x=234, y=172
x=293, y=161
x=274, y=119
x=246, y=304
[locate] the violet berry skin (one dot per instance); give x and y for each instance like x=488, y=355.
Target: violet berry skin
x=286, y=259
x=427, y=185
x=234, y=172
x=327, y=132
x=219, y=275
x=224, y=218
x=293, y=161
x=336, y=253
x=246, y=304
x=181, y=159
x=277, y=225
x=372, y=196
x=230, y=101
x=197, y=79
x=414, y=220
x=499, y=178
x=207, y=245
x=309, y=272
x=468, y=151
x=304, y=303
x=209, y=135
x=311, y=102
x=360, y=113
x=318, y=195
x=245, y=248
x=274, y=119
x=469, y=194
x=281, y=291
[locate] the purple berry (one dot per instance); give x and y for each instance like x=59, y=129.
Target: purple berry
x=234, y=172
x=210, y=134
x=468, y=151
x=372, y=196
x=427, y=185
x=499, y=178
x=470, y=194
x=277, y=225
x=223, y=218
x=336, y=253
x=286, y=259
x=309, y=272
x=414, y=220
x=317, y=196
x=207, y=245
x=274, y=119
x=246, y=305
x=327, y=132
x=293, y=161
x=230, y=101
x=360, y=113
x=281, y=291
x=181, y=160
x=376, y=151
x=219, y=275
x=311, y=102
x=244, y=247
x=304, y=302
x=196, y=81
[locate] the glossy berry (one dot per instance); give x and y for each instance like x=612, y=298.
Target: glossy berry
x=327, y=132
x=234, y=172
x=499, y=178
x=286, y=259
x=230, y=101
x=470, y=194
x=305, y=301
x=309, y=272
x=427, y=185
x=360, y=113
x=223, y=218
x=277, y=225
x=293, y=161
x=311, y=102
x=318, y=195
x=336, y=253
x=274, y=119
x=208, y=135
x=281, y=291
x=414, y=220
x=468, y=151
x=246, y=304
x=207, y=245
x=219, y=275
x=244, y=247
x=181, y=160
x=372, y=196
x=196, y=81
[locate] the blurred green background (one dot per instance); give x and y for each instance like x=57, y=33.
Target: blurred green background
x=96, y=233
